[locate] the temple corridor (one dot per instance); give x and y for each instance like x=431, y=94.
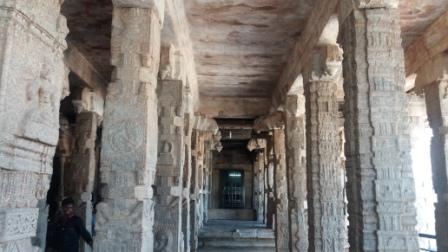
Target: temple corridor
x=223, y=125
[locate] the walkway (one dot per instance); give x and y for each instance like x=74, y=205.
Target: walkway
x=228, y=235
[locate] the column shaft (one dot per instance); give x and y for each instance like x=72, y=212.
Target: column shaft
x=325, y=173
x=169, y=189
x=125, y=218
x=281, y=193
x=437, y=107
x=380, y=185
x=296, y=160
x=79, y=179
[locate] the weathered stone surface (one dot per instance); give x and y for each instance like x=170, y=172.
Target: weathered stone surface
x=240, y=46
x=129, y=144
x=437, y=109
x=170, y=167
x=324, y=166
x=380, y=183
x=79, y=180
x=282, y=243
x=421, y=135
x=419, y=18
x=34, y=80
x=432, y=42
x=296, y=171
x=304, y=46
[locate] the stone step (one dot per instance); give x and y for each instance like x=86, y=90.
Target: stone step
x=237, y=243
x=223, y=236
x=228, y=249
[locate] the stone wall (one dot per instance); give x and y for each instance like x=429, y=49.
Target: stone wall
x=32, y=83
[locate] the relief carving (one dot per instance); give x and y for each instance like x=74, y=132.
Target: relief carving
x=41, y=122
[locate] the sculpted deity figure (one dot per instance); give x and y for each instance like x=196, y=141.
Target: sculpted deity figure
x=41, y=122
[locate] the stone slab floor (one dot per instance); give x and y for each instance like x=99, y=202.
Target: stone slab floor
x=230, y=235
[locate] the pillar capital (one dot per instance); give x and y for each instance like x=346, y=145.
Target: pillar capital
x=269, y=122
x=327, y=63
x=156, y=6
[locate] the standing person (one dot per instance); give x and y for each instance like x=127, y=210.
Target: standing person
x=69, y=228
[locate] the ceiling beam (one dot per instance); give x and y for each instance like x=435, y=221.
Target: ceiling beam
x=234, y=107
x=303, y=49
x=433, y=42
x=81, y=66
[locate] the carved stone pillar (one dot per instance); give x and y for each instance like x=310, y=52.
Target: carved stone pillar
x=129, y=145
x=269, y=184
x=197, y=164
x=296, y=161
x=79, y=179
x=281, y=193
x=34, y=79
x=325, y=173
x=380, y=185
x=186, y=221
x=259, y=174
x=169, y=189
x=437, y=107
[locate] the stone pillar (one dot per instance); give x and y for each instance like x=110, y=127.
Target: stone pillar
x=79, y=179
x=325, y=173
x=168, y=208
x=380, y=186
x=33, y=81
x=258, y=202
x=269, y=178
x=194, y=189
x=186, y=221
x=281, y=193
x=437, y=107
x=421, y=135
x=296, y=161
x=125, y=218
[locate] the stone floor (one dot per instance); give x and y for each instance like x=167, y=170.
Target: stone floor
x=230, y=235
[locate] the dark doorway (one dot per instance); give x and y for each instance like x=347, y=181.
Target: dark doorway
x=232, y=189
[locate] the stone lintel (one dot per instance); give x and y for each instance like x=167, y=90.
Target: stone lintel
x=234, y=107
x=82, y=67
x=304, y=46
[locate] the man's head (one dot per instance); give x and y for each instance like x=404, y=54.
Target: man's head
x=68, y=205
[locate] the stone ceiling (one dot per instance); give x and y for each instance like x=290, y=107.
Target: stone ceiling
x=417, y=15
x=89, y=22
x=240, y=46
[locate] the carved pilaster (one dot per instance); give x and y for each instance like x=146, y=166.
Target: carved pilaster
x=296, y=161
x=325, y=172
x=79, y=179
x=380, y=183
x=281, y=193
x=437, y=109
x=34, y=80
x=129, y=145
x=169, y=188
x=186, y=220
